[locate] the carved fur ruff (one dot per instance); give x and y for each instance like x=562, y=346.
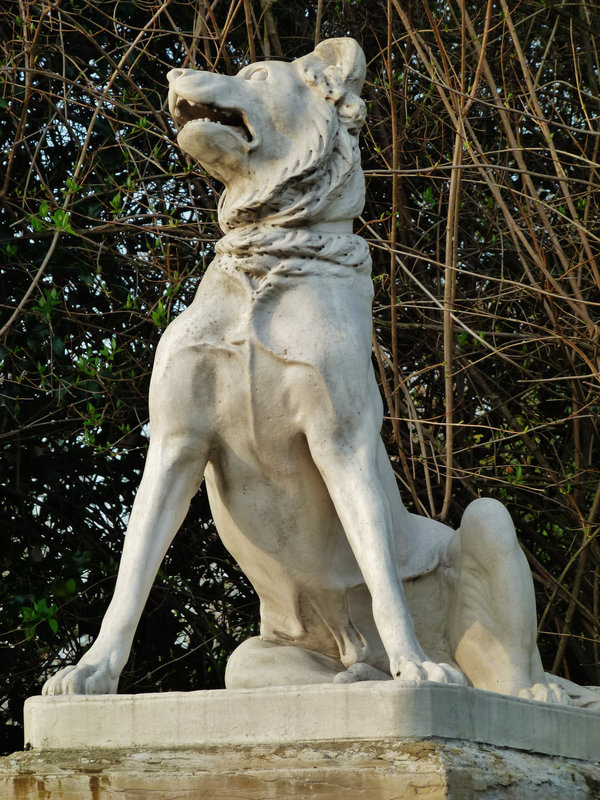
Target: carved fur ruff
x=268, y=251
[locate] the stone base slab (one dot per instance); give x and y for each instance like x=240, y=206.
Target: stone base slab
x=348, y=770
x=371, y=741
x=370, y=711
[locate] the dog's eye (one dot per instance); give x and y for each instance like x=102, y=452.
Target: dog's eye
x=260, y=74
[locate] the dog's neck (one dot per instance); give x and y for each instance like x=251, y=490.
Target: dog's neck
x=261, y=250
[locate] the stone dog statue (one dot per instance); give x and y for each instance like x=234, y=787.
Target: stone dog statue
x=264, y=387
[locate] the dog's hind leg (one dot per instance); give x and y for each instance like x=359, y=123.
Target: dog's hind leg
x=257, y=663
x=492, y=621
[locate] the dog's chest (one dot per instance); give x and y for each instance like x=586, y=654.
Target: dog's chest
x=261, y=360
x=214, y=352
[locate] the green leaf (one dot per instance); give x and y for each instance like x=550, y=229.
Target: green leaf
x=41, y=606
x=115, y=203
x=61, y=219
x=71, y=185
x=36, y=223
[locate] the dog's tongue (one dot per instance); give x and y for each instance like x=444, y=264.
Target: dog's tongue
x=187, y=110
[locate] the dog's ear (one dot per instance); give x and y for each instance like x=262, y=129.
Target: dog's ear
x=347, y=57
x=336, y=69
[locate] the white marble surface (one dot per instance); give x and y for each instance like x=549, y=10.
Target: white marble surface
x=361, y=712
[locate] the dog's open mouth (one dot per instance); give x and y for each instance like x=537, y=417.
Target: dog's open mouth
x=187, y=111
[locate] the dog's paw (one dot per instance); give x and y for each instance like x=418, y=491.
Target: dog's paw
x=413, y=670
x=83, y=678
x=546, y=693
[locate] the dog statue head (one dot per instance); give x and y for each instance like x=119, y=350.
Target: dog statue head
x=282, y=137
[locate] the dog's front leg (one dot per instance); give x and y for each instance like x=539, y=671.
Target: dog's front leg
x=350, y=465
x=172, y=475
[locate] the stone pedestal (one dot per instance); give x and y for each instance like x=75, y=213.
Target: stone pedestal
x=378, y=741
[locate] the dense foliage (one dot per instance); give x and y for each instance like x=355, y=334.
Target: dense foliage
x=483, y=212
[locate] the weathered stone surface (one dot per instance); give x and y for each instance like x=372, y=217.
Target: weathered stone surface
x=384, y=770
x=367, y=711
